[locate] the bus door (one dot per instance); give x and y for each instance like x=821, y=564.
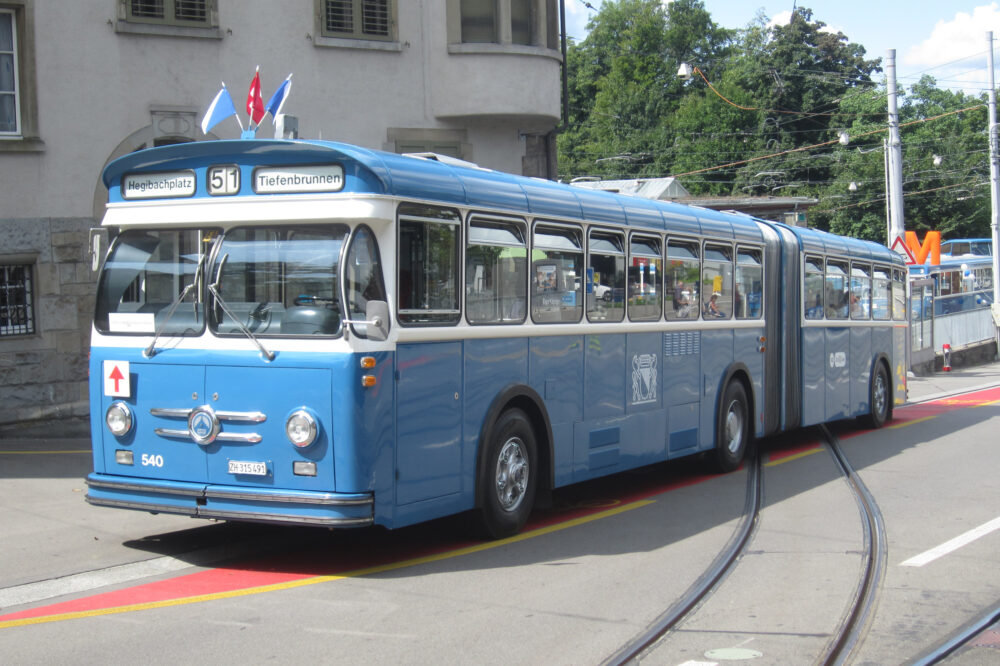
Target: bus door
x=428, y=420
x=428, y=375
x=750, y=344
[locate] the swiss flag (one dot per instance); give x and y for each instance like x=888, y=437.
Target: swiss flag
x=255, y=103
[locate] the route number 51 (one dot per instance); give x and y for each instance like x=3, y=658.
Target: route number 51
x=223, y=181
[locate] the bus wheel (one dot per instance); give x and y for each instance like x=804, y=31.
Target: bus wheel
x=732, y=430
x=878, y=398
x=509, y=476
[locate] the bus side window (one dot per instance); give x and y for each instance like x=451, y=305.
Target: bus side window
x=682, y=279
x=898, y=295
x=861, y=292
x=605, y=277
x=496, y=272
x=557, y=266
x=749, y=289
x=363, y=278
x=429, y=259
x=812, y=294
x=880, y=294
x=836, y=290
x=645, y=269
x=717, y=279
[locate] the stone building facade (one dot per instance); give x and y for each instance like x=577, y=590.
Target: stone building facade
x=86, y=81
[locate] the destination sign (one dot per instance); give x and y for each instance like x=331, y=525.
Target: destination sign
x=289, y=179
x=162, y=185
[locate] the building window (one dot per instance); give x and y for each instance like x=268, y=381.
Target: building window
x=192, y=13
x=358, y=19
x=479, y=21
x=452, y=143
x=521, y=20
x=18, y=99
x=10, y=123
x=518, y=22
x=17, y=314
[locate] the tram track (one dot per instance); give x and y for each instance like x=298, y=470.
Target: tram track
x=723, y=563
x=856, y=617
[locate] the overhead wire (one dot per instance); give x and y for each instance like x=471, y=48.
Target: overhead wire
x=824, y=143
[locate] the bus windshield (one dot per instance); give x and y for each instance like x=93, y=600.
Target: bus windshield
x=278, y=281
x=146, y=273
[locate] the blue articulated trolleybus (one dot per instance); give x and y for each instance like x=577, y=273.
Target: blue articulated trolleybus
x=316, y=333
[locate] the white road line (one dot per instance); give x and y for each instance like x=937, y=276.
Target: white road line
x=953, y=545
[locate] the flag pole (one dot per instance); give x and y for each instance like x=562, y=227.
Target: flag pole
x=256, y=75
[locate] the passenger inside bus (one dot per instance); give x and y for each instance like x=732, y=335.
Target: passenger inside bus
x=712, y=307
x=680, y=300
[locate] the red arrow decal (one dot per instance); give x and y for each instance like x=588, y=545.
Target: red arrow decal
x=116, y=375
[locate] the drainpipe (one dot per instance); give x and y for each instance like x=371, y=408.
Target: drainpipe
x=552, y=170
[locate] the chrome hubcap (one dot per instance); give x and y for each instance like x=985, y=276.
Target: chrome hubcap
x=734, y=427
x=512, y=474
x=880, y=395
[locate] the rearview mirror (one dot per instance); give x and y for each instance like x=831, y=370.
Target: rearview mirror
x=377, y=314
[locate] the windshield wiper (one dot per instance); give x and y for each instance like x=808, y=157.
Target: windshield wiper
x=150, y=351
x=269, y=355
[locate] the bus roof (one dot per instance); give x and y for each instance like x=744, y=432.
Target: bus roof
x=423, y=178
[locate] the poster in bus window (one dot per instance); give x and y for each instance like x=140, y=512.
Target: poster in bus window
x=547, y=278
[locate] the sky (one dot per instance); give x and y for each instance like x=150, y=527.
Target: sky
x=945, y=39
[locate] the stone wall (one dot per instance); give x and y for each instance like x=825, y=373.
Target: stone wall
x=45, y=373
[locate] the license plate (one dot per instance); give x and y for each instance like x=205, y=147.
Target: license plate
x=247, y=467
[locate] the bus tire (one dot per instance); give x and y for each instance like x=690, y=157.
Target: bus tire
x=878, y=398
x=510, y=475
x=732, y=428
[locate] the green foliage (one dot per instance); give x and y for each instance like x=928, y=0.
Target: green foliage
x=762, y=116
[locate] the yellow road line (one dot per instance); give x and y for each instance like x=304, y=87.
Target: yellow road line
x=402, y=564
x=796, y=456
x=909, y=423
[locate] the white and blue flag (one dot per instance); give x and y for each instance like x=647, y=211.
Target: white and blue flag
x=278, y=99
x=221, y=108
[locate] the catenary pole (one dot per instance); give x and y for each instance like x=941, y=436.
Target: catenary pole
x=894, y=175
x=994, y=184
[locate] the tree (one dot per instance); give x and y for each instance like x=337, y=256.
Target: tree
x=623, y=83
x=762, y=117
x=945, y=162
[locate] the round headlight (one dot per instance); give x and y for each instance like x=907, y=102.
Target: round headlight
x=301, y=428
x=119, y=418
